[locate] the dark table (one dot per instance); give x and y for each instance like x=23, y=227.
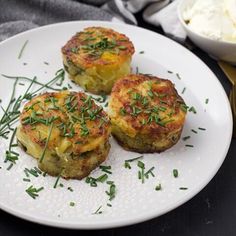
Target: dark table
x=211, y=212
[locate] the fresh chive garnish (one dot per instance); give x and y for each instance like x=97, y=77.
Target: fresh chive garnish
x=97, y=211
x=178, y=76
x=141, y=165
x=134, y=159
x=186, y=138
x=207, y=100
x=183, y=188
x=10, y=166
x=127, y=165
x=112, y=192
x=22, y=49
x=200, y=128
x=192, y=109
x=72, y=204
x=33, y=192
x=158, y=187
x=175, y=173
x=141, y=52
x=109, y=205
x=57, y=180
x=46, y=63
x=150, y=171
x=106, y=169
x=189, y=145
x=194, y=131
x=47, y=141
x=184, y=89
x=26, y=180
x=170, y=72
x=102, y=178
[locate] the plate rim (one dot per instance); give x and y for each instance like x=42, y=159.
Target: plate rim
x=142, y=217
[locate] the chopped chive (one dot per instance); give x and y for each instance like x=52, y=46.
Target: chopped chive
x=183, y=188
x=186, y=138
x=47, y=141
x=33, y=192
x=110, y=182
x=194, y=131
x=46, y=63
x=10, y=166
x=26, y=180
x=127, y=165
x=178, y=76
x=70, y=189
x=184, y=89
x=106, y=169
x=97, y=211
x=207, y=100
x=141, y=52
x=109, y=205
x=72, y=204
x=57, y=180
x=112, y=191
x=200, y=128
x=22, y=49
x=134, y=159
x=192, y=109
x=158, y=187
x=102, y=178
x=175, y=173
x=170, y=72
x=189, y=145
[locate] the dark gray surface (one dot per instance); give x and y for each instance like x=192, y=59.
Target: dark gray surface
x=211, y=212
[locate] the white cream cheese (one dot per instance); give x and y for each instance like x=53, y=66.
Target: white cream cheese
x=215, y=19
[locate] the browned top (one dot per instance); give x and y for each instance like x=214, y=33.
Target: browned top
x=75, y=117
x=97, y=46
x=147, y=105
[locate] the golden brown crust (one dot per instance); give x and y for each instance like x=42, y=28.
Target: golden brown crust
x=146, y=107
x=80, y=129
x=87, y=47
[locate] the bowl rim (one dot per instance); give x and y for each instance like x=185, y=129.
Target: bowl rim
x=187, y=28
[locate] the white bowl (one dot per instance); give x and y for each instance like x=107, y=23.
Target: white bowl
x=222, y=50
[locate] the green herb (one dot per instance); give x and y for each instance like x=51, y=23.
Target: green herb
x=122, y=111
x=70, y=189
x=22, y=49
x=170, y=72
x=47, y=141
x=102, y=178
x=134, y=159
x=178, y=76
x=175, y=173
x=110, y=182
x=194, y=131
x=192, y=109
x=46, y=63
x=184, y=108
x=33, y=192
x=158, y=187
x=201, y=128
x=183, y=188
x=150, y=171
x=141, y=165
x=184, y=89
x=57, y=180
x=141, y=52
x=26, y=180
x=106, y=169
x=72, y=204
x=207, y=100
x=97, y=211
x=189, y=145
x=112, y=192
x=106, y=104
x=109, y=205
x=186, y=138
x=127, y=165
x=32, y=172
x=10, y=166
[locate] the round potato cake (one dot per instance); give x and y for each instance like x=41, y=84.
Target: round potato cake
x=96, y=57
x=66, y=132
x=146, y=112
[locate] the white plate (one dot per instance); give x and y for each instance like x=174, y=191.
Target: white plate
x=135, y=202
